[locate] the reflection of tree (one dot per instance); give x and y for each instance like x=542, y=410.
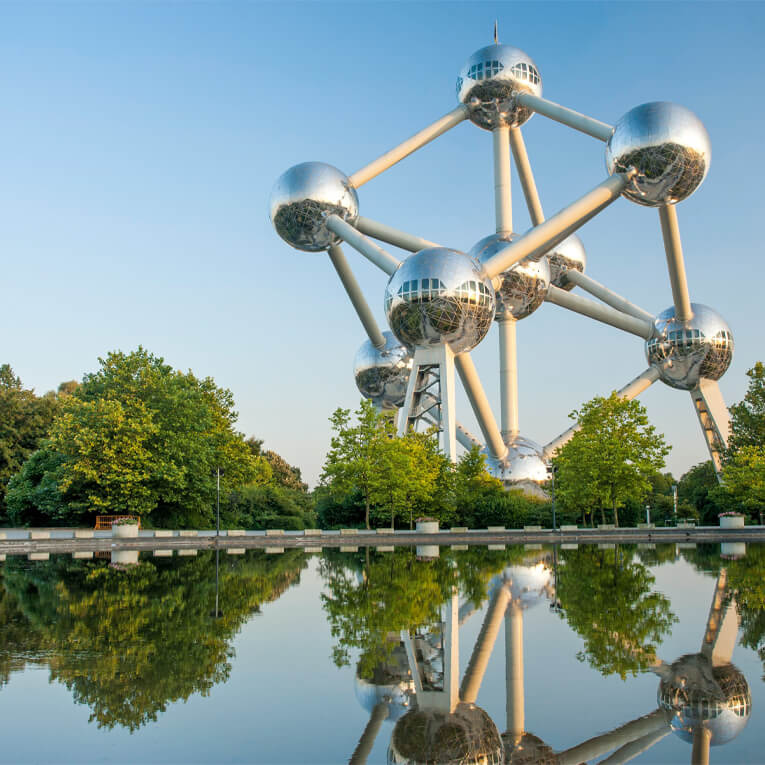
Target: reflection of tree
x=127, y=643
x=607, y=598
x=394, y=591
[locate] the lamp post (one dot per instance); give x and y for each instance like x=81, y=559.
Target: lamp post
x=218, y=474
x=553, y=470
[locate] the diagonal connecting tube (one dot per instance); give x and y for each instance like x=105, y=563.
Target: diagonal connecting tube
x=641, y=327
x=356, y=295
x=602, y=292
x=631, y=390
x=417, y=141
x=480, y=404
x=673, y=248
x=543, y=237
x=392, y=235
x=526, y=176
x=382, y=259
x=566, y=116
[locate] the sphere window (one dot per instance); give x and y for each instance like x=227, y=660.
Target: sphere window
x=526, y=72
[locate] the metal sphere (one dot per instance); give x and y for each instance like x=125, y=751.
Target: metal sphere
x=523, y=286
x=382, y=374
x=391, y=684
x=467, y=736
x=669, y=147
x=529, y=585
x=686, y=351
x=488, y=82
x=569, y=255
x=440, y=296
x=724, y=712
x=303, y=197
x=523, y=467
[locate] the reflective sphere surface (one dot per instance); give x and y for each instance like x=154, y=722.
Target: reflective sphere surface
x=667, y=144
x=523, y=286
x=529, y=585
x=522, y=468
x=724, y=712
x=382, y=374
x=527, y=749
x=440, y=296
x=468, y=736
x=302, y=199
x=568, y=255
x=686, y=351
x=489, y=79
x=391, y=684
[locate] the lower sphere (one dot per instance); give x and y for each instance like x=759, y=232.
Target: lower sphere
x=569, y=255
x=382, y=374
x=686, y=351
x=523, y=467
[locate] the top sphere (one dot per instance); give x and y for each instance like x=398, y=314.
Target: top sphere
x=488, y=81
x=302, y=199
x=686, y=351
x=440, y=296
x=569, y=255
x=669, y=147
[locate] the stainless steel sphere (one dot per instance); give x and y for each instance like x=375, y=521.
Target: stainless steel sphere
x=686, y=351
x=392, y=684
x=724, y=712
x=522, y=468
x=569, y=255
x=669, y=147
x=382, y=374
x=528, y=585
x=302, y=199
x=523, y=286
x=488, y=82
x=440, y=296
x=467, y=736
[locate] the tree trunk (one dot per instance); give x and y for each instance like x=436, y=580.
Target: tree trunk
x=602, y=515
x=616, y=514
x=366, y=516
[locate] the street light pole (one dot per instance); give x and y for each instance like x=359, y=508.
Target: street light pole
x=553, y=469
x=217, y=507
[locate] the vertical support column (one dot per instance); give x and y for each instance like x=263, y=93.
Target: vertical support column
x=380, y=712
x=503, y=201
x=673, y=248
x=702, y=740
x=479, y=659
x=714, y=419
x=515, y=704
x=508, y=376
x=452, y=651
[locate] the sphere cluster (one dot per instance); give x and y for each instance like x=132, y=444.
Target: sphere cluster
x=686, y=351
x=523, y=286
x=303, y=197
x=440, y=296
x=490, y=79
x=382, y=374
x=668, y=146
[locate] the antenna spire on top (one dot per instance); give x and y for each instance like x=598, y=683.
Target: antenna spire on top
x=496, y=38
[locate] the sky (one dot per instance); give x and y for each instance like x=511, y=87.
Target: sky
x=140, y=142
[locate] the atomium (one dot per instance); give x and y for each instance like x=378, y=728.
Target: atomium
x=440, y=296
x=686, y=351
x=668, y=146
x=490, y=79
x=303, y=197
x=382, y=374
x=523, y=287
x=440, y=303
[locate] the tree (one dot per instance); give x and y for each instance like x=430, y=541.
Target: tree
x=356, y=452
x=744, y=478
x=699, y=487
x=137, y=436
x=611, y=458
x=285, y=475
x=24, y=421
x=747, y=421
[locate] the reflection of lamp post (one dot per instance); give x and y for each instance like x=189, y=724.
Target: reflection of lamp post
x=555, y=605
x=217, y=613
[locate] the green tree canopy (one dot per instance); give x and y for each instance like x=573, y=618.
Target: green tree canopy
x=748, y=416
x=138, y=437
x=611, y=458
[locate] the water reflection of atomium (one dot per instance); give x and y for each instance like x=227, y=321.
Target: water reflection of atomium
x=440, y=303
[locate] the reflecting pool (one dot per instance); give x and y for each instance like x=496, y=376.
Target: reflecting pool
x=523, y=654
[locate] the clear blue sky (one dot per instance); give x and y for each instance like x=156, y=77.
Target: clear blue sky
x=140, y=142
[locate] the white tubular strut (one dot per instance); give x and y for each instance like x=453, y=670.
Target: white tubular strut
x=603, y=313
x=606, y=295
x=503, y=201
x=673, y=248
x=566, y=116
x=631, y=390
x=508, y=376
x=382, y=259
x=392, y=235
x=541, y=238
x=526, y=177
x=480, y=404
x=356, y=295
x=714, y=419
x=417, y=141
